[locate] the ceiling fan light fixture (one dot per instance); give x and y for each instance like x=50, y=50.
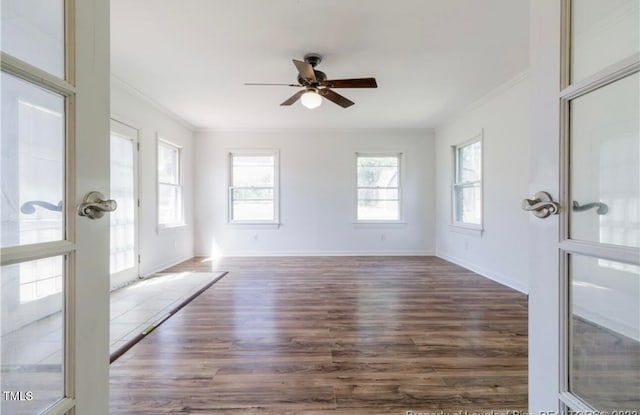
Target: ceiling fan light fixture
x=311, y=99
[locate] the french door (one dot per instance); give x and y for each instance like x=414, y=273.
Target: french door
x=123, y=258
x=585, y=261
x=54, y=149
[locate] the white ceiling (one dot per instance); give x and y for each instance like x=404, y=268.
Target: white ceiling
x=431, y=58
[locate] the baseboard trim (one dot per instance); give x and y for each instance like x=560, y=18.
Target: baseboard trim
x=159, y=268
x=494, y=276
x=320, y=253
x=619, y=327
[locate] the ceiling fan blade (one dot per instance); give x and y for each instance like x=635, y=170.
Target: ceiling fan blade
x=335, y=97
x=351, y=83
x=306, y=71
x=258, y=84
x=294, y=97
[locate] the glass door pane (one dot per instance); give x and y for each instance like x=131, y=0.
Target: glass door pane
x=602, y=33
x=33, y=163
x=32, y=350
x=601, y=371
x=122, y=220
x=33, y=31
x=32, y=154
x=605, y=333
x=605, y=164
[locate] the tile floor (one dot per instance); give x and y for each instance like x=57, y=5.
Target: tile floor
x=138, y=305
x=133, y=308
x=31, y=356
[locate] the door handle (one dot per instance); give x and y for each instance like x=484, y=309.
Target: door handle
x=93, y=205
x=541, y=205
x=603, y=209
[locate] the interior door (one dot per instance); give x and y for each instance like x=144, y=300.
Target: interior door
x=54, y=150
x=584, y=300
x=123, y=258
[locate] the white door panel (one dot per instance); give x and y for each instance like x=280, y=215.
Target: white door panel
x=91, y=286
x=54, y=264
x=584, y=299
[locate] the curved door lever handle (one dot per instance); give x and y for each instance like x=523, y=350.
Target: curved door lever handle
x=93, y=205
x=541, y=205
x=603, y=209
x=29, y=208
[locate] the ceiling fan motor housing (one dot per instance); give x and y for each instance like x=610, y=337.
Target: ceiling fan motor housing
x=313, y=59
x=320, y=77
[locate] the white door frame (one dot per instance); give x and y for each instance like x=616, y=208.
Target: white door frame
x=91, y=286
x=544, y=262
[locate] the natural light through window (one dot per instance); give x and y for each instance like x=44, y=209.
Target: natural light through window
x=253, y=187
x=378, y=187
x=170, y=204
x=122, y=221
x=467, y=186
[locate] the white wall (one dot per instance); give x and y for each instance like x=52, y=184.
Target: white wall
x=158, y=250
x=500, y=253
x=317, y=173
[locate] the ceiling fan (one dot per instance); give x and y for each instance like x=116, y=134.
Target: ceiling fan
x=317, y=86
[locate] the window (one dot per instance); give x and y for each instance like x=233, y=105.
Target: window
x=378, y=187
x=467, y=185
x=170, y=212
x=253, y=192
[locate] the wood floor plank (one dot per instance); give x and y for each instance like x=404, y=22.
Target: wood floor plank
x=332, y=335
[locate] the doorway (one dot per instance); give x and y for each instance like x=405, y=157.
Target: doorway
x=123, y=225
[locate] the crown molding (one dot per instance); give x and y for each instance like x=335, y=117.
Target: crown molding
x=115, y=81
x=293, y=130
x=483, y=100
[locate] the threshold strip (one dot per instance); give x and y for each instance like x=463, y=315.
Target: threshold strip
x=128, y=345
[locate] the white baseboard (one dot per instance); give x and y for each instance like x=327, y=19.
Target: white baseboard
x=620, y=327
x=320, y=253
x=492, y=275
x=159, y=268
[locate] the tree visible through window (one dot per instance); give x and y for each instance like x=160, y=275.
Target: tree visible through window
x=467, y=186
x=378, y=187
x=170, y=204
x=252, y=187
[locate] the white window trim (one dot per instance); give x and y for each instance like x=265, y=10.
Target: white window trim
x=276, y=187
x=400, y=155
x=166, y=226
x=465, y=227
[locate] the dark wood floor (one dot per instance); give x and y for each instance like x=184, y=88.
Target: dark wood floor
x=339, y=335
x=606, y=368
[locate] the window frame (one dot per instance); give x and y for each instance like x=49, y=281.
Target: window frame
x=275, y=153
x=180, y=185
x=399, y=155
x=476, y=228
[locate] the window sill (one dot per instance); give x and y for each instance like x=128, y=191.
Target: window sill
x=467, y=230
x=379, y=222
x=170, y=226
x=256, y=225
